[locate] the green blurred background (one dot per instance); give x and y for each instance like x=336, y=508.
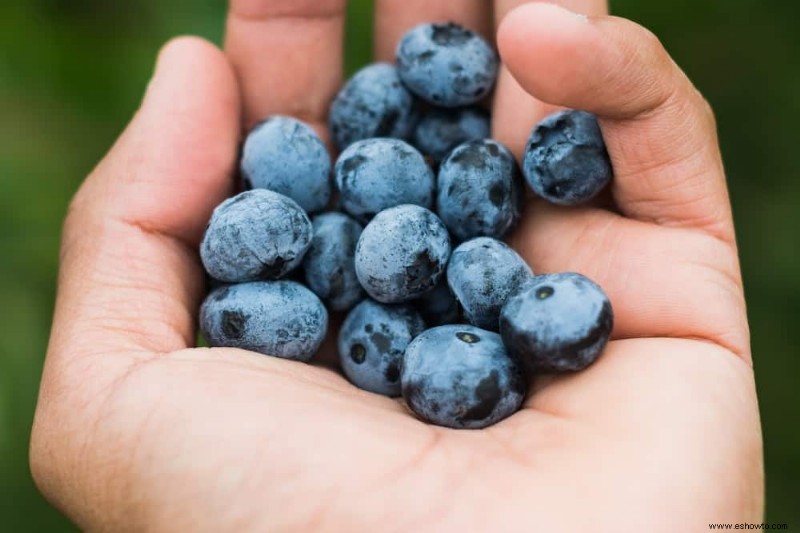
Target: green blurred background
x=72, y=72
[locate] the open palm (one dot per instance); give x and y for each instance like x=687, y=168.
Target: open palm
x=137, y=430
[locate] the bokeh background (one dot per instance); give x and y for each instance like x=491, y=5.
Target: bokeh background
x=72, y=72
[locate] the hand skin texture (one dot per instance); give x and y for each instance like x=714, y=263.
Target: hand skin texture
x=137, y=430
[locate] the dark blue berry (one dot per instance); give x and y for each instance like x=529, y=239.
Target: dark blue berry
x=461, y=377
x=374, y=103
x=258, y=234
x=446, y=64
x=482, y=274
x=329, y=264
x=440, y=130
x=372, y=342
x=285, y=155
x=566, y=161
x=557, y=322
x=278, y=318
x=377, y=174
x=479, y=190
x=439, y=307
x=402, y=254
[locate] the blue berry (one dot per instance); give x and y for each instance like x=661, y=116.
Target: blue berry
x=285, y=155
x=441, y=130
x=439, y=307
x=329, y=264
x=461, y=377
x=374, y=103
x=377, y=174
x=258, y=234
x=566, y=161
x=557, y=323
x=482, y=274
x=372, y=342
x=278, y=318
x=480, y=191
x=402, y=254
x=446, y=64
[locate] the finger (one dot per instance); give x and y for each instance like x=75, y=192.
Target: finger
x=130, y=279
x=685, y=284
x=515, y=112
x=393, y=18
x=287, y=56
x=658, y=128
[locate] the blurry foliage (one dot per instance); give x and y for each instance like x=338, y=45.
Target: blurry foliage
x=72, y=72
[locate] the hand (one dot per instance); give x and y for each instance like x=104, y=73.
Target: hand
x=137, y=430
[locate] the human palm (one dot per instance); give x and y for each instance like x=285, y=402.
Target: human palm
x=138, y=430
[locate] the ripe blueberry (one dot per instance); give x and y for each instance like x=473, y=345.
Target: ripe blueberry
x=461, y=377
x=482, y=274
x=372, y=342
x=557, y=322
x=566, y=161
x=440, y=130
x=285, y=155
x=329, y=264
x=480, y=191
x=258, y=234
x=278, y=318
x=377, y=174
x=446, y=64
x=402, y=254
x=374, y=103
x=438, y=307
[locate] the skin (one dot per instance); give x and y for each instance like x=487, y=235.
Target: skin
x=135, y=430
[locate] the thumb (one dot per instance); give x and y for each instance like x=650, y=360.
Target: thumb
x=129, y=276
x=659, y=130
x=174, y=162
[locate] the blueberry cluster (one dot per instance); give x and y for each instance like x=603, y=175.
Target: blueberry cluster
x=403, y=233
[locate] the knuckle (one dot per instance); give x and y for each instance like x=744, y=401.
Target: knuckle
x=78, y=207
x=706, y=109
x=50, y=454
x=69, y=446
x=41, y=463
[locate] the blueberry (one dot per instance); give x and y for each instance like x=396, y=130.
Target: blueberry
x=377, y=174
x=258, y=234
x=438, y=307
x=374, y=103
x=441, y=130
x=557, y=322
x=461, y=377
x=446, y=64
x=480, y=190
x=329, y=264
x=371, y=344
x=482, y=274
x=566, y=161
x=285, y=155
x=402, y=254
x=278, y=318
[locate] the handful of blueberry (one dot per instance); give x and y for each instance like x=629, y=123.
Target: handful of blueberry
x=409, y=246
